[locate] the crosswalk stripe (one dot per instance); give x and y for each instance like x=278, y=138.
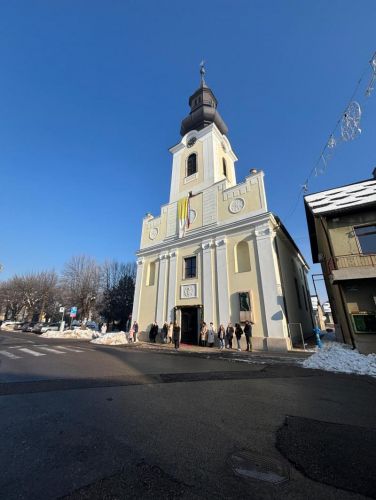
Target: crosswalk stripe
x=9, y=355
x=33, y=353
x=49, y=349
x=69, y=348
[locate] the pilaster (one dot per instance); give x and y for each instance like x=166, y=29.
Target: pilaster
x=162, y=282
x=222, y=281
x=207, y=277
x=172, y=279
x=137, y=291
x=271, y=290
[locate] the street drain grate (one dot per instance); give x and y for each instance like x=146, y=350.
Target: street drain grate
x=251, y=465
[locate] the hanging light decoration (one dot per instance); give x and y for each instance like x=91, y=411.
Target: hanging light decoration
x=371, y=84
x=350, y=122
x=332, y=143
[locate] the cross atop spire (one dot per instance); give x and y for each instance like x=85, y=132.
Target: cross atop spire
x=203, y=106
x=202, y=72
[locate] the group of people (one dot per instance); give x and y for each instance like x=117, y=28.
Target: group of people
x=170, y=333
x=131, y=330
x=225, y=335
x=166, y=333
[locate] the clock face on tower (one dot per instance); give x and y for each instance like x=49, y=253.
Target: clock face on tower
x=191, y=142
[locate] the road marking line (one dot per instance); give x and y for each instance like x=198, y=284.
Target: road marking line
x=49, y=349
x=69, y=348
x=15, y=346
x=33, y=353
x=9, y=355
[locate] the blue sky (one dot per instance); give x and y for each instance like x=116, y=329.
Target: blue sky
x=92, y=95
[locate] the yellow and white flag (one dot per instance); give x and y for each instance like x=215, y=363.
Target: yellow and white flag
x=183, y=215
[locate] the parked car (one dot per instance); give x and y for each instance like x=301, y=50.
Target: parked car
x=9, y=325
x=37, y=328
x=92, y=325
x=50, y=327
x=28, y=327
x=19, y=326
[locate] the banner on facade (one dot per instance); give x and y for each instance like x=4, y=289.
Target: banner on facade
x=183, y=215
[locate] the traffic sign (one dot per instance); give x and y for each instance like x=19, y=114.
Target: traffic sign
x=62, y=309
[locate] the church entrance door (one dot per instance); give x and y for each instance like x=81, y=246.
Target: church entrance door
x=189, y=325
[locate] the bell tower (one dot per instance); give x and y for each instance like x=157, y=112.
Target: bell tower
x=204, y=155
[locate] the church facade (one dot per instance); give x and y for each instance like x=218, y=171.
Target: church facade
x=215, y=253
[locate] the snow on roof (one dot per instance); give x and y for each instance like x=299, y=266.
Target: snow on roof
x=343, y=197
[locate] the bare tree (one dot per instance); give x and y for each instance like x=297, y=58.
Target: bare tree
x=11, y=298
x=33, y=294
x=81, y=279
x=118, y=281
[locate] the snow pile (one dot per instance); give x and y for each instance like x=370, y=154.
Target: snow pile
x=112, y=338
x=335, y=357
x=71, y=334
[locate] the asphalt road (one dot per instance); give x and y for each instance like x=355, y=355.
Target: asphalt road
x=83, y=421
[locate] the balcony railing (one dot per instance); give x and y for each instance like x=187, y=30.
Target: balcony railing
x=346, y=261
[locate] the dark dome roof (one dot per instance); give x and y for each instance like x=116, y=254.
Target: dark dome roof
x=203, y=112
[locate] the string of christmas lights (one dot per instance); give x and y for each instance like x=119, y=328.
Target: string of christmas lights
x=346, y=129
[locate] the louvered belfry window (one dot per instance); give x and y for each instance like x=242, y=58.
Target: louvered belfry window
x=192, y=164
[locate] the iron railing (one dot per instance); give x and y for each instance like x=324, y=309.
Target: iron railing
x=351, y=260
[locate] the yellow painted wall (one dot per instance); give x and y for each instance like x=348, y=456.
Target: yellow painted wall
x=252, y=198
x=334, y=292
x=196, y=204
x=188, y=252
x=359, y=295
x=198, y=149
x=244, y=282
x=147, y=225
x=148, y=302
x=291, y=268
x=229, y=164
x=341, y=230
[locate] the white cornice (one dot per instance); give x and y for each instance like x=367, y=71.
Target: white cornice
x=200, y=134
x=251, y=223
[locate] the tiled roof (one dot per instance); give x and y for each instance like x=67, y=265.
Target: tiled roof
x=343, y=197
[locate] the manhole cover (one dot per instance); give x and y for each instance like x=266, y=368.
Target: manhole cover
x=252, y=465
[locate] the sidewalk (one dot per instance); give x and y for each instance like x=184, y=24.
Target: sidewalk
x=215, y=352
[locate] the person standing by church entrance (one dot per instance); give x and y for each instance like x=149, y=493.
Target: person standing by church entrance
x=203, y=334
x=135, y=331
x=164, y=332
x=170, y=332
x=238, y=334
x=221, y=336
x=153, y=332
x=229, y=335
x=176, y=335
x=248, y=335
x=211, y=334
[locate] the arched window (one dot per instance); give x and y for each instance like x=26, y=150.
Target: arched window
x=191, y=164
x=151, y=274
x=224, y=167
x=242, y=259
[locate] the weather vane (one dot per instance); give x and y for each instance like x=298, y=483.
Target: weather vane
x=202, y=71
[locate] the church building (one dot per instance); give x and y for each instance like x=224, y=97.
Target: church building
x=215, y=253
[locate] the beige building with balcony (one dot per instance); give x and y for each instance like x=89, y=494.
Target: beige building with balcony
x=215, y=252
x=342, y=228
